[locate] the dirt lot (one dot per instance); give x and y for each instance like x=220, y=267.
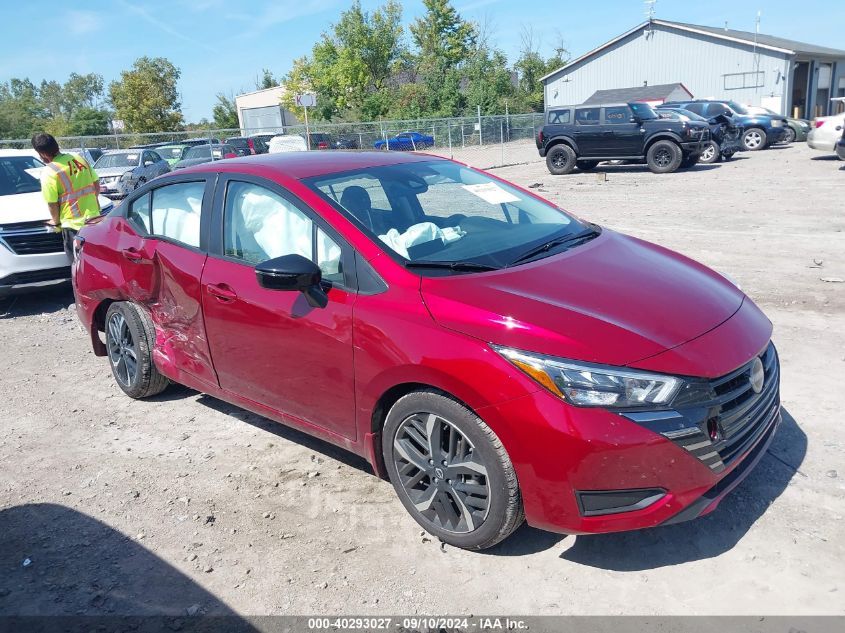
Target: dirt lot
x=185, y=502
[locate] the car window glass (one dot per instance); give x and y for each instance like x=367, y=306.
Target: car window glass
x=698, y=108
x=559, y=116
x=354, y=200
x=154, y=157
x=176, y=211
x=139, y=214
x=259, y=225
x=617, y=115
x=328, y=257
x=587, y=116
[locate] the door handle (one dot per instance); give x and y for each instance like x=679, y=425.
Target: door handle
x=134, y=255
x=222, y=292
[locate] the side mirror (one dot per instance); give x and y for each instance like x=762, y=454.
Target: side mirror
x=293, y=272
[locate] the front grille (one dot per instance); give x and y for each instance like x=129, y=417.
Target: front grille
x=36, y=276
x=31, y=238
x=735, y=417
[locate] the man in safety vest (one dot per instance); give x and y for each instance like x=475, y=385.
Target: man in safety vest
x=69, y=186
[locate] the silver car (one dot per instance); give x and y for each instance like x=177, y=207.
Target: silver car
x=123, y=171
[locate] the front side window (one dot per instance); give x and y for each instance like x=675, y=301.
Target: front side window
x=259, y=224
x=697, y=108
x=617, y=115
x=176, y=210
x=443, y=212
x=644, y=111
x=587, y=116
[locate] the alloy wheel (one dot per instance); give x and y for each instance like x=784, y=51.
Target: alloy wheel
x=121, y=349
x=753, y=140
x=442, y=473
x=559, y=160
x=708, y=153
x=663, y=157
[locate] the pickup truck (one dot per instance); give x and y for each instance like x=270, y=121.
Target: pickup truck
x=584, y=135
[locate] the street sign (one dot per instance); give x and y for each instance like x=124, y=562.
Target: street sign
x=308, y=100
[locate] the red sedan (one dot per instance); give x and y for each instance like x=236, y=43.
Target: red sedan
x=492, y=355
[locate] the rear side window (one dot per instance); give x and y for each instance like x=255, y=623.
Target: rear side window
x=617, y=115
x=561, y=117
x=698, y=108
x=587, y=116
x=176, y=210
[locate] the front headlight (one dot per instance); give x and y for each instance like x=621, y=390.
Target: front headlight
x=588, y=385
x=126, y=176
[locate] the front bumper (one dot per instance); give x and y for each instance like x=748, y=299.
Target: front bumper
x=584, y=470
x=695, y=147
x=41, y=262
x=116, y=189
x=840, y=150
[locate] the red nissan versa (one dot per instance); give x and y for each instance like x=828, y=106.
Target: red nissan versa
x=495, y=357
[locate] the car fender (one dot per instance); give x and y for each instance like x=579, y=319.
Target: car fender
x=563, y=138
x=663, y=135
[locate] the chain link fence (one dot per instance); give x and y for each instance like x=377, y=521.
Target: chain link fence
x=484, y=142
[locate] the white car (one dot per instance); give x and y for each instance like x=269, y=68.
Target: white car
x=825, y=132
x=287, y=143
x=31, y=254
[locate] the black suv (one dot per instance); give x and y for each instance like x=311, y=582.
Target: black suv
x=584, y=135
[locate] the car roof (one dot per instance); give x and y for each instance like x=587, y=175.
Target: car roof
x=301, y=165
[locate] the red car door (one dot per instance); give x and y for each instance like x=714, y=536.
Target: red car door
x=161, y=260
x=271, y=346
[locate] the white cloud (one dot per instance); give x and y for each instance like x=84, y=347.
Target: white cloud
x=164, y=26
x=282, y=11
x=83, y=22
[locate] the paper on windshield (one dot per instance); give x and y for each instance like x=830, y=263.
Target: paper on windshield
x=491, y=193
x=132, y=157
x=35, y=172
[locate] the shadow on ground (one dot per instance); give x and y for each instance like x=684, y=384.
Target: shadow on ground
x=623, y=169
x=79, y=566
x=47, y=300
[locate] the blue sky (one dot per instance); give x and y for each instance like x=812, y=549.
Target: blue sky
x=221, y=45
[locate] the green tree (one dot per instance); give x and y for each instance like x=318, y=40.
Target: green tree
x=442, y=35
x=87, y=121
x=225, y=112
x=146, y=97
x=265, y=80
x=21, y=112
x=488, y=81
x=351, y=65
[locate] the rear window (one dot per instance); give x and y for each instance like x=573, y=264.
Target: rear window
x=238, y=142
x=559, y=116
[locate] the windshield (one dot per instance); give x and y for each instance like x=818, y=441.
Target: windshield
x=643, y=111
x=733, y=105
x=204, y=151
x=443, y=212
x=692, y=116
x=170, y=152
x=19, y=174
x=123, y=159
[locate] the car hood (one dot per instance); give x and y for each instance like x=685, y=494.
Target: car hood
x=30, y=207
x=112, y=171
x=615, y=300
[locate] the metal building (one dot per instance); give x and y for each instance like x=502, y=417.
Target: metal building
x=786, y=76
x=262, y=111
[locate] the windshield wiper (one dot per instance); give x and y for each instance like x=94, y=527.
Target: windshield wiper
x=423, y=263
x=570, y=240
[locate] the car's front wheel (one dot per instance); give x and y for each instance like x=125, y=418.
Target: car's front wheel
x=754, y=139
x=711, y=153
x=560, y=160
x=129, y=342
x=450, y=471
x=664, y=157
x=789, y=135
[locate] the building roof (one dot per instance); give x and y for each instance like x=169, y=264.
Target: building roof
x=639, y=93
x=769, y=42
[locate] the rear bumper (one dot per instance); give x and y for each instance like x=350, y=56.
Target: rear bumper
x=840, y=150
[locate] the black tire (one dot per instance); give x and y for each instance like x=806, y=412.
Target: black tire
x=560, y=160
x=690, y=160
x=711, y=153
x=789, y=136
x=754, y=139
x=462, y=437
x=664, y=157
x=586, y=165
x=129, y=331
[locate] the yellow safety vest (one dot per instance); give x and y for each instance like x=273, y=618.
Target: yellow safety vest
x=70, y=181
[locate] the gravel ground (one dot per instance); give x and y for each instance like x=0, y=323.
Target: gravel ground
x=184, y=504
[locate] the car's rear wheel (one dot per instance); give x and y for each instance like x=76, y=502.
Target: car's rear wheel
x=789, y=135
x=129, y=342
x=754, y=139
x=711, y=153
x=586, y=165
x=450, y=471
x=560, y=160
x=664, y=157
